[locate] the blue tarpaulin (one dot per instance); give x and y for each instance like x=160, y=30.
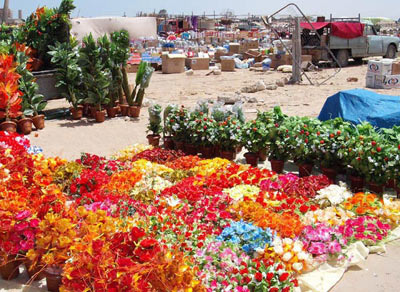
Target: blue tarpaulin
x=358, y=105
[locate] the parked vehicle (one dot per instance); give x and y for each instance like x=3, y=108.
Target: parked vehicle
x=346, y=40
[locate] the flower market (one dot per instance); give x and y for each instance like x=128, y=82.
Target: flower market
x=116, y=174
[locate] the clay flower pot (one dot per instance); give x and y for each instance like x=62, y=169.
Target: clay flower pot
x=86, y=110
x=25, y=126
x=191, y=149
x=262, y=155
x=8, y=126
x=124, y=110
x=92, y=111
x=277, y=165
x=100, y=116
x=207, y=151
x=357, y=184
x=10, y=269
x=331, y=173
x=228, y=154
x=112, y=111
x=168, y=143
x=305, y=169
x=391, y=184
x=38, y=121
x=179, y=145
x=134, y=111
x=77, y=113
x=376, y=188
x=154, y=140
x=35, y=273
x=53, y=278
x=36, y=64
x=252, y=158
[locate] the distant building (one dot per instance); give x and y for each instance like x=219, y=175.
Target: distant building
x=10, y=13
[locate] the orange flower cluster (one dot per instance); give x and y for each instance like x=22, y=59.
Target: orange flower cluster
x=363, y=204
x=286, y=224
x=123, y=182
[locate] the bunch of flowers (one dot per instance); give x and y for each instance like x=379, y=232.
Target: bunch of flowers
x=333, y=195
x=209, y=166
x=306, y=186
x=158, y=155
x=248, y=236
x=283, y=203
x=184, y=162
x=291, y=253
x=146, y=167
x=122, y=182
x=128, y=153
x=322, y=241
x=362, y=204
x=253, y=136
x=390, y=213
x=89, y=181
x=176, y=124
x=331, y=216
x=243, y=191
x=203, y=130
x=149, y=187
x=95, y=162
x=369, y=230
x=274, y=185
x=228, y=134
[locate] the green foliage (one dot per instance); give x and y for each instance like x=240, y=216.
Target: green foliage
x=155, y=119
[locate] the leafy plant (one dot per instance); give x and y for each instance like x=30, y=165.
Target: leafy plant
x=65, y=57
x=228, y=134
x=253, y=136
x=143, y=77
x=155, y=119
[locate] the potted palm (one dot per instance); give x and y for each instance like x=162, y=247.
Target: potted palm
x=96, y=78
x=154, y=125
x=10, y=96
x=69, y=75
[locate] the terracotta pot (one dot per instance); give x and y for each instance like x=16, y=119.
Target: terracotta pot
x=134, y=111
x=357, y=184
x=112, y=111
x=154, y=140
x=262, y=155
x=10, y=269
x=53, y=279
x=77, y=113
x=35, y=273
x=391, y=184
x=100, y=116
x=331, y=173
x=25, y=126
x=305, y=169
x=179, y=145
x=252, y=158
x=228, y=154
x=277, y=165
x=168, y=143
x=38, y=121
x=124, y=110
x=376, y=188
x=8, y=126
x=207, y=151
x=191, y=149
x=36, y=64
x=93, y=111
x=86, y=110
x=217, y=151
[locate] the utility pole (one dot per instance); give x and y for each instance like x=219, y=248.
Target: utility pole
x=296, y=67
x=5, y=11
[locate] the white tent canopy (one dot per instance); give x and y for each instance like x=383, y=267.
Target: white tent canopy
x=138, y=27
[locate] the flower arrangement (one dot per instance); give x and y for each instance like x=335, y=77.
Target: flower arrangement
x=362, y=204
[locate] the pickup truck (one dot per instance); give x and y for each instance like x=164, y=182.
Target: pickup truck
x=346, y=40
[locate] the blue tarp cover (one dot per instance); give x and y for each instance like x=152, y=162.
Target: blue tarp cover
x=358, y=105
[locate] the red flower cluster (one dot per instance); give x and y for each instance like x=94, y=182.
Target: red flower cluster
x=159, y=155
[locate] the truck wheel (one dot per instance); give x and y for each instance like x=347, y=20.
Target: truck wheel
x=391, y=52
x=343, y=57
x=358, y=61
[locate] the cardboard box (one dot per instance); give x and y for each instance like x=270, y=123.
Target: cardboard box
x=279, y=60
x=391, y=81
x=198, y=63
x=234, y=48
x=396, y=68
x=375, y=81
x=220, y=53
x=132, y=68
x=227, y=65
x=253, y=54
x=173, y=63
x=381, y=67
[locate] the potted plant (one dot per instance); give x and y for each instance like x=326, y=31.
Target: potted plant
x=10, y=96
x=154, y=125
x=167, y=130
x=135, y=98
x=203, y=134
x=253, y=138
x=228, y=135
x=177, y=123
x=69, y=75
x=96, y=78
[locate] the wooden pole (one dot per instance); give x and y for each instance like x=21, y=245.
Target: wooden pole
x=5, y=11
x=296, y=67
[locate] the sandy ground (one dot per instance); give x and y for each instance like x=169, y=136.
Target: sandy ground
x=67, y=138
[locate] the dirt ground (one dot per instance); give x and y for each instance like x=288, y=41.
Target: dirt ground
x=67, y=138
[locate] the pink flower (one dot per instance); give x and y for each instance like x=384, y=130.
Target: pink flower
x=34, y=223
x=334, y=247
x=317, y=248
x=21, y=226
x=23, y=215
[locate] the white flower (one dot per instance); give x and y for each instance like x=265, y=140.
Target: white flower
x=278, y=249
x=302, y=256
x=297, y=247
x=287, y=256
x=287, y=241
x=297, y=267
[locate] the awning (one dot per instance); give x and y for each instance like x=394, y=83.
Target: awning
x=346, y=30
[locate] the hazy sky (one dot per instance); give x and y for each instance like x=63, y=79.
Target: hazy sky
x=88, y=8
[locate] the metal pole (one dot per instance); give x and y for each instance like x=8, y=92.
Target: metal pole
x=5, y=11
x=296, y=67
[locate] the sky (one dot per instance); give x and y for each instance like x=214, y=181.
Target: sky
x=339, y=8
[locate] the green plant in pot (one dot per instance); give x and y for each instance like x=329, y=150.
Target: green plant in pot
x=228, y=135
x=177, y=125
x=154, y=127
x=392, y=138
x=142, y=82
x=65, y=57
x=253, y=138
x=167, y=130
x=203, y=134
x=96, y=78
